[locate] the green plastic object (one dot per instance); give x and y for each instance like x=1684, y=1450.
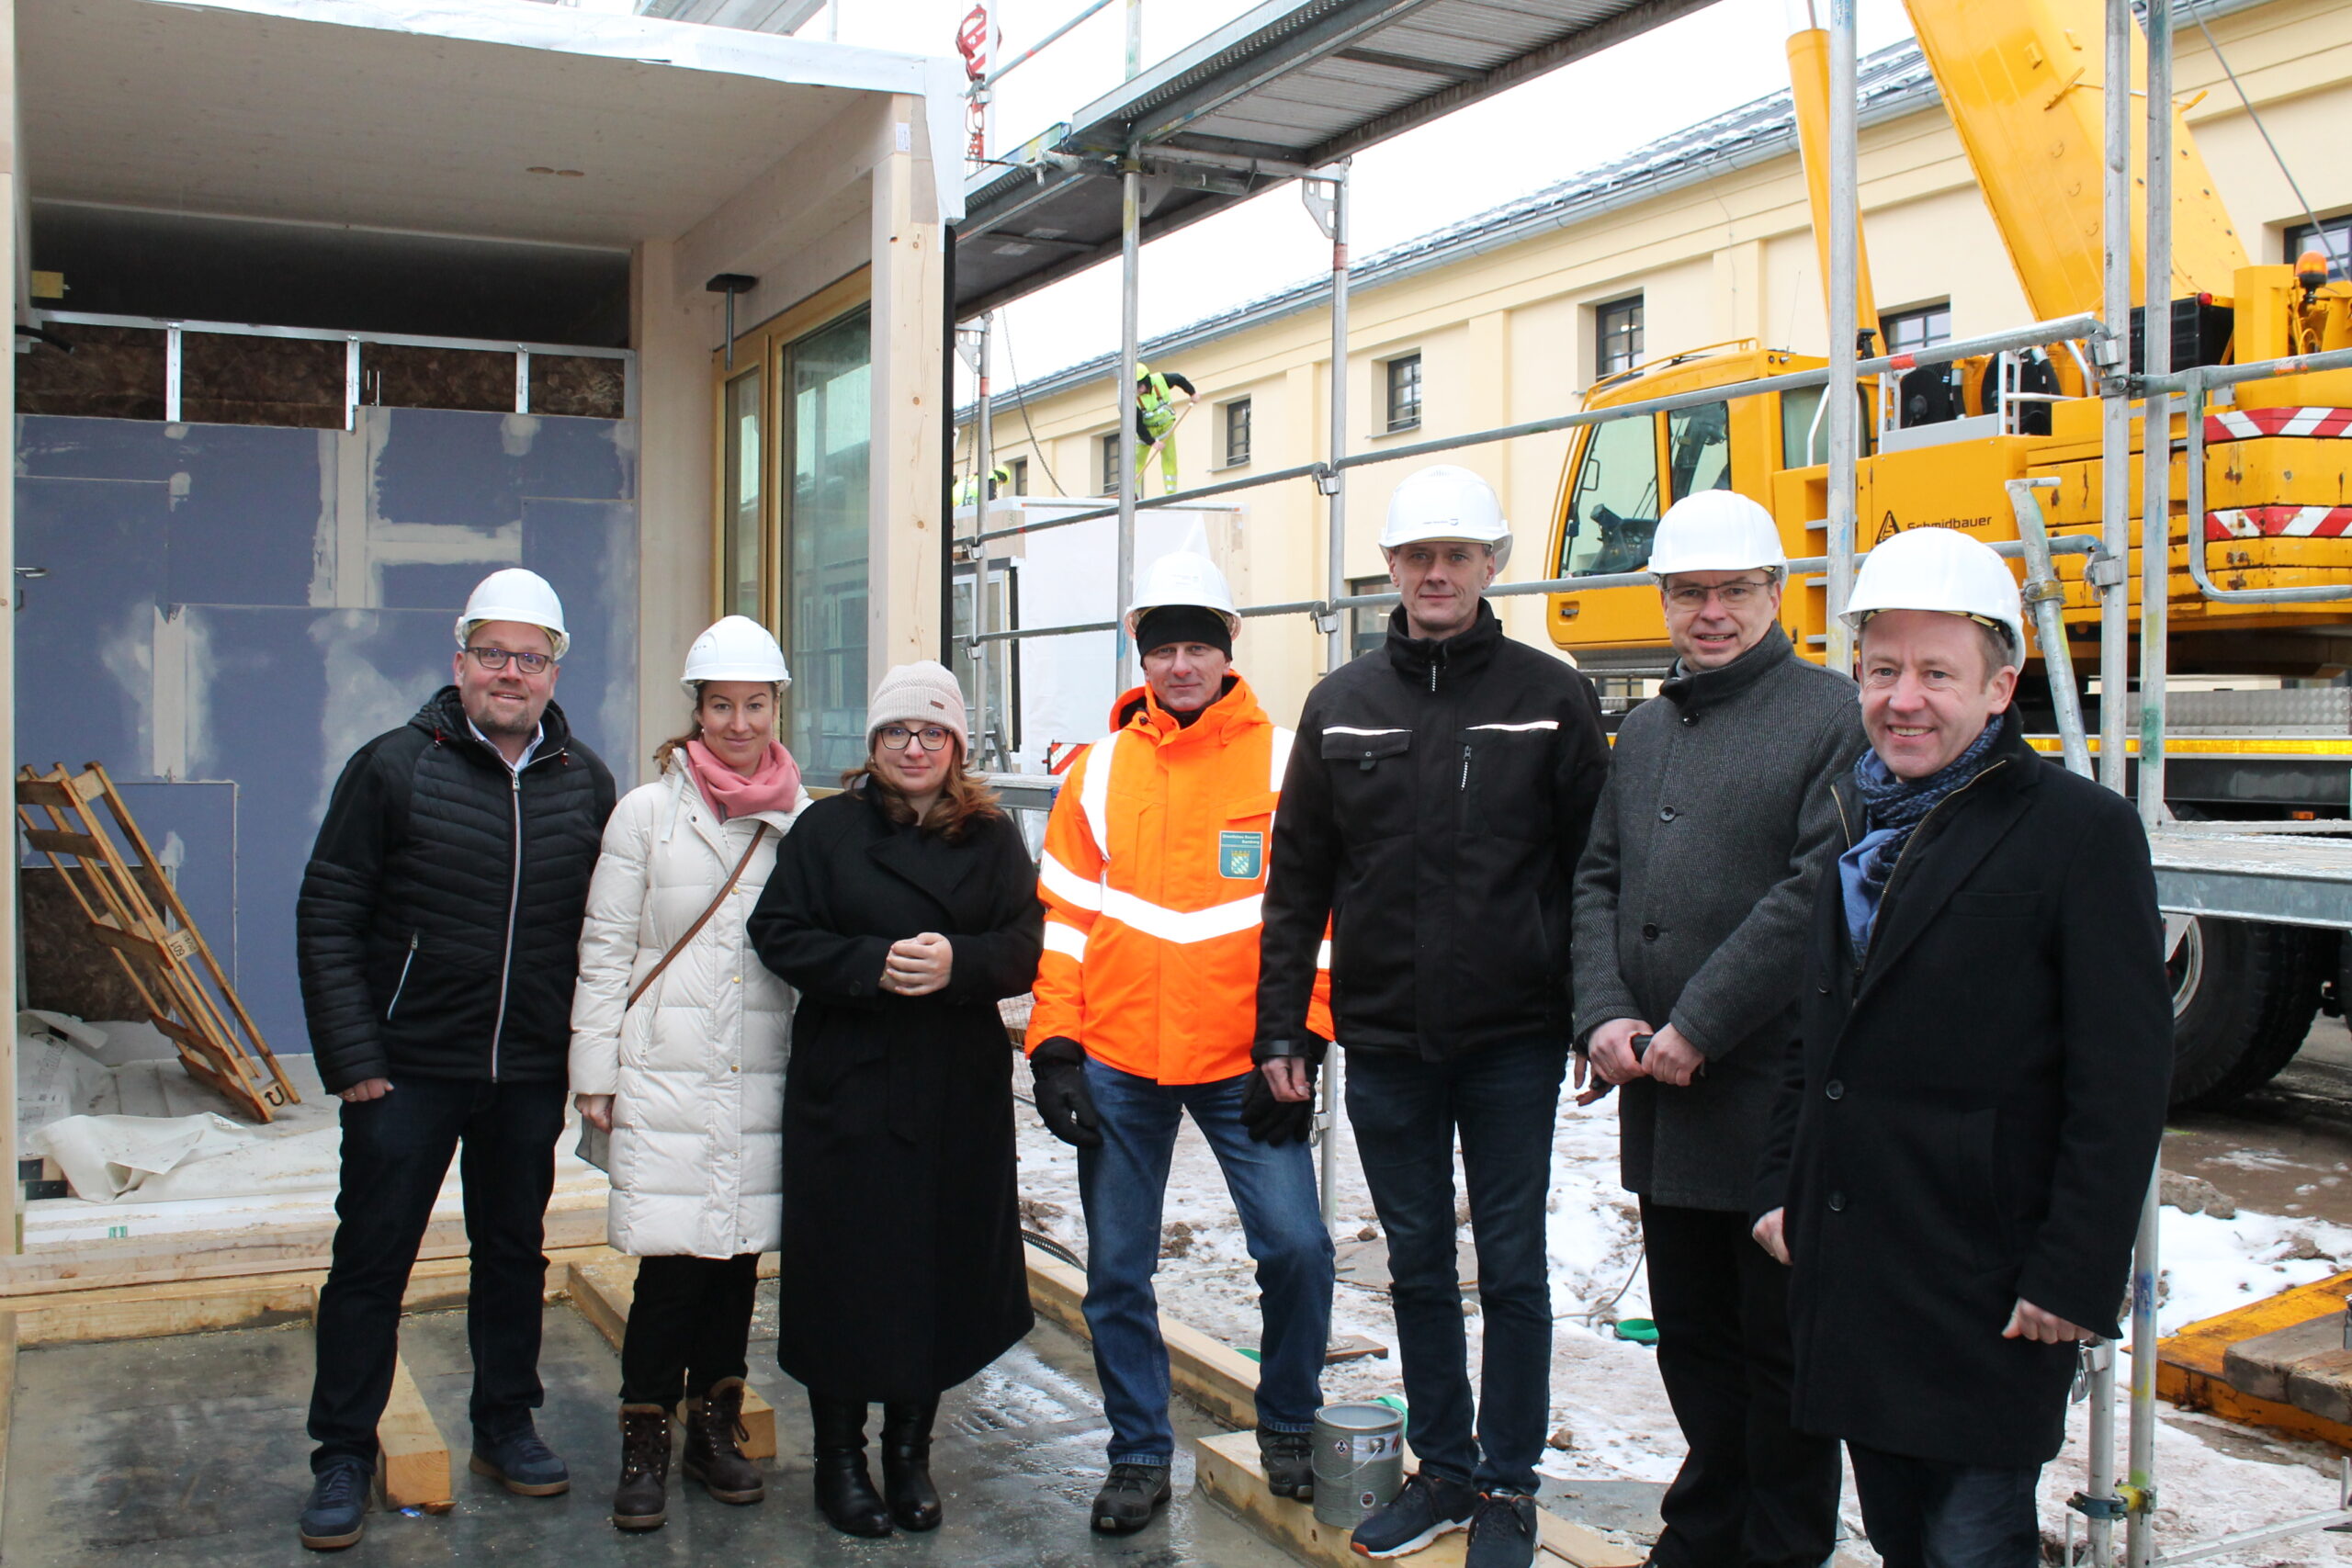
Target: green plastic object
x=1640, y=1330
x=1251, y=1354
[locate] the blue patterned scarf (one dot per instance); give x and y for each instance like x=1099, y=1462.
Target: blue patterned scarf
x=1892, y=807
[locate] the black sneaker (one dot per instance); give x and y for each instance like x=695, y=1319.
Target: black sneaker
x=1289, y=1461
x=1428, y=1507
x=1502, y=1533
x=1131, y=1494
x=522, y=1462
x=337, y=1515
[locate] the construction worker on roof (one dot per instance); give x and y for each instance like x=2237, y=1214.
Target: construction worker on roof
x=1157, y=416
x=1154, y=863
x=969, y=493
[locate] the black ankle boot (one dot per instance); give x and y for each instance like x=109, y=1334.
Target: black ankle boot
x=845, y=1494
x=906, y=1464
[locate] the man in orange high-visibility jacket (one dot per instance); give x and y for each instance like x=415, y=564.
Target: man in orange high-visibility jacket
x=1154, y=863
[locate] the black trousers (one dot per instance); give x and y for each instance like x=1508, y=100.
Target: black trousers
x=396, y=1149
x=687, y=1326
x=1752, y=1493
x=1922, y=1514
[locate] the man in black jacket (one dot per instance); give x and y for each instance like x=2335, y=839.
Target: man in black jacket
x=437, y=938
x=1436, y=802
x=1967, y=1126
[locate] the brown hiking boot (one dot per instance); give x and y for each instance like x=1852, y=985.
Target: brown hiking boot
x=640, y=1501
x=713, y=1445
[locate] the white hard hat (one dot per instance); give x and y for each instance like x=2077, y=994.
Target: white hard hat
x=516, y=595
x=1941, y=570
x=735, y=648
x=1446, y=501
x=1185, y=577
x=1716, y=530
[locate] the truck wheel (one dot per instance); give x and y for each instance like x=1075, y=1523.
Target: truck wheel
x=2244, y=998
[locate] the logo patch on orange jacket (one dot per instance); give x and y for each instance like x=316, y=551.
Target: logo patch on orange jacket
x=1240, y=856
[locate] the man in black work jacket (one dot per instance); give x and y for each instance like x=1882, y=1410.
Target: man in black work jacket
x=1968, y=1124
x=437, y=937
x=1437, y=799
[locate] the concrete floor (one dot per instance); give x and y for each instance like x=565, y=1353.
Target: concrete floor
x=190, y=1451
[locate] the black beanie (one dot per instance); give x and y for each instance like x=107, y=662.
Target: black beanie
x=1164, y=623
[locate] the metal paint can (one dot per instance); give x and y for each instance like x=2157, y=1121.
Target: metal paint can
x=1358, y=1462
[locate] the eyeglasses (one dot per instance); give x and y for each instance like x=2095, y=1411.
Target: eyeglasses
x=894, y=736
x=494, y=658
x=1733, y=594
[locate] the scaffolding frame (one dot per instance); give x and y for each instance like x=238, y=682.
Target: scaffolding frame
x=2127, y=713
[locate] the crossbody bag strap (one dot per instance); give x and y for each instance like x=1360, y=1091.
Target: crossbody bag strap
x=700, y=921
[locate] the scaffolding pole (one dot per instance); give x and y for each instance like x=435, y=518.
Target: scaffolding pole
x=1331, y=216
x=1129, y=482
x=983, y=467
x=2115, y=431
x=1845, y=268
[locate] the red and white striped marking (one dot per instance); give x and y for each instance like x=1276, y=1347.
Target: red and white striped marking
x=2279, y=523
x=2240, y=425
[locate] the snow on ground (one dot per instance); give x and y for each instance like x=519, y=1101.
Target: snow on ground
x=2212, y=1477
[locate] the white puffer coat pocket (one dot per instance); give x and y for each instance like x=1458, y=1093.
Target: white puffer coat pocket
x=697, y=1066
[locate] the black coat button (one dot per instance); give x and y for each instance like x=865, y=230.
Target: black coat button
x=1690, y=718
x=1835, y=1089
x=1649, y=933
x=1836, y=1203
x=1822, y=986
x=1666, y=814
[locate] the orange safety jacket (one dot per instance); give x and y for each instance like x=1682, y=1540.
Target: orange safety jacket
x=1154, y=867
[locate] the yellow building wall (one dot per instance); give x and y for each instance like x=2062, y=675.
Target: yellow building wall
x=1509, y=336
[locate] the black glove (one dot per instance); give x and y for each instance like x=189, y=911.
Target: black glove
x=1276, y=1122
x=1057, y=1079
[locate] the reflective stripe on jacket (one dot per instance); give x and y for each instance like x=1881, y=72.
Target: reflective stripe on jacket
x=1154, y=866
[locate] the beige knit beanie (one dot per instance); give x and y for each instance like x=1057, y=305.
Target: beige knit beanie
x=917, y=694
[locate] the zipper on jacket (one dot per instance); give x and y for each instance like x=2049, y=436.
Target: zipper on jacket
x=1464, y=787
x=402, y=985
x=514, y=899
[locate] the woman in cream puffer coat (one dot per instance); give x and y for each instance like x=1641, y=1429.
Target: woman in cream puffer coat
x=689, y=1080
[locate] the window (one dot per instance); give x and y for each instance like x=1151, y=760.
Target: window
x=1612, y=511
x=1018, y=468
x=1368, y=624
x=827, y=383
x=1237, y=432
x=995, y=748
x=740, y=521
x=1804, y=427
x=1907, y=331
x=1617, y=335
x=1697, y=449
x=1405, y=392
x=1110, y=465
x=2332, y=238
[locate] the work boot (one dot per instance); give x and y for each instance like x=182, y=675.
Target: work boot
x=1289, y=1461
x=845, y=1494
x=522, y=1462
x=1130, y=1495
x=715, y=1455
x=640, y=1502
x=906, y=1464
x=337, y=1515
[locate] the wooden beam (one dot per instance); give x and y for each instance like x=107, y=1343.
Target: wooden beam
x=603, y=1291
x=7, y=1397
x=412, y=1457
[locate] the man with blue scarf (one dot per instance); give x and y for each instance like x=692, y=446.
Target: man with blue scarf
x=1969, y=1119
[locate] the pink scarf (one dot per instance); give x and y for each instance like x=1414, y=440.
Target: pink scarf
x=774, y=787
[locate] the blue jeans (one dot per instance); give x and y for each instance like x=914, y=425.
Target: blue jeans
x=1405, y=1111
x=1922, y=1514
x=1122, y=1184
x=396, y=1149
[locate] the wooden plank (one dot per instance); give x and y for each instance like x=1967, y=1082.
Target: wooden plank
x=7, y=1398
x=58, y=841
x=123, y=942
x=412, y=1457
x=42, y=792
x=1220, y=1380
x=603, y=1291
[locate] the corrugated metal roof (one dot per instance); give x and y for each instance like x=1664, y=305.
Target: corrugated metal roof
x=1893, y=82
x=1296, y=82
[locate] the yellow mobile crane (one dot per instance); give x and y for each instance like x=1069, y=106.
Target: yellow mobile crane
x=1941, y=442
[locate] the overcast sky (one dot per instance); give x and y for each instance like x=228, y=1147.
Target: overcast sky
x=1492, y=152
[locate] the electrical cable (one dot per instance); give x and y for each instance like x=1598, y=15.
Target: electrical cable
x=2318, y=228
x=1640, y=1253
x=1045, y=1243
x=1022, y=397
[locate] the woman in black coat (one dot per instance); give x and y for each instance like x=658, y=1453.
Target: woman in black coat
x=903, y=910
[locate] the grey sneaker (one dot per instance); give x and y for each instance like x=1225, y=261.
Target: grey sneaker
x=1502, y=1533
x=1428, y=1507
x=1131, y=1494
